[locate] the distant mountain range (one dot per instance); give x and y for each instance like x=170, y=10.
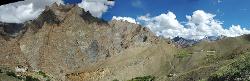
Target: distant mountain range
x=182, y=42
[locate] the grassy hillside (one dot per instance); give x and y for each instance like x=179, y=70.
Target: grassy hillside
x=222, y=60
x=209, y=60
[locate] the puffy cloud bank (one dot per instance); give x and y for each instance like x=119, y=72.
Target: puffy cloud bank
x=128, y=19
x=199, y=25
x=22, y=11
x=96, y=7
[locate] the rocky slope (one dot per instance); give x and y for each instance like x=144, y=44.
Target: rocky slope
x=66, y=39
x=65, y=43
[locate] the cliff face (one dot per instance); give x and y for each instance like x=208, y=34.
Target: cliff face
x=66, y=39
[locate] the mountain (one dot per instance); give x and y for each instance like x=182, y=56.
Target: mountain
x=65, y=43
x=213, y=38
x=66, y=39
x=182, y=42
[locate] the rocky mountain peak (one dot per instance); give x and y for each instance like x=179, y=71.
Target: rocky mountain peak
x=67, y=38
x=56, y=14
x=213, y=38
x=60, y=11
x=182, y=42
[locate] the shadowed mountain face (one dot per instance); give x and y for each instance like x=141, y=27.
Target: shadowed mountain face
x=11, y=29
x=65, y=43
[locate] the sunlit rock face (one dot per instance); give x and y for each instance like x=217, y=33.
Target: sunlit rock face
x=66, y=39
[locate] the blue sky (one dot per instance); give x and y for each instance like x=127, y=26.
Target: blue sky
x=229, y=11
x=192, y=19
x=72, y=1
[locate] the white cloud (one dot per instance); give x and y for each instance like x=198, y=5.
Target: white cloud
x=165, y=24
x=204, y=24
x=24, y=10
x=96, y=7
x=199, y=25
x=235, y=30
x=128, y=19
x=144, y=18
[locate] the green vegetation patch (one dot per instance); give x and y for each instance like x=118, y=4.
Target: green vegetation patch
x=183, y=54
x=42, y=74
x=23, y=78
x=10, y=73
x=144, y=78
x=238, y=70
x=115, y=80
x=30, y=78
